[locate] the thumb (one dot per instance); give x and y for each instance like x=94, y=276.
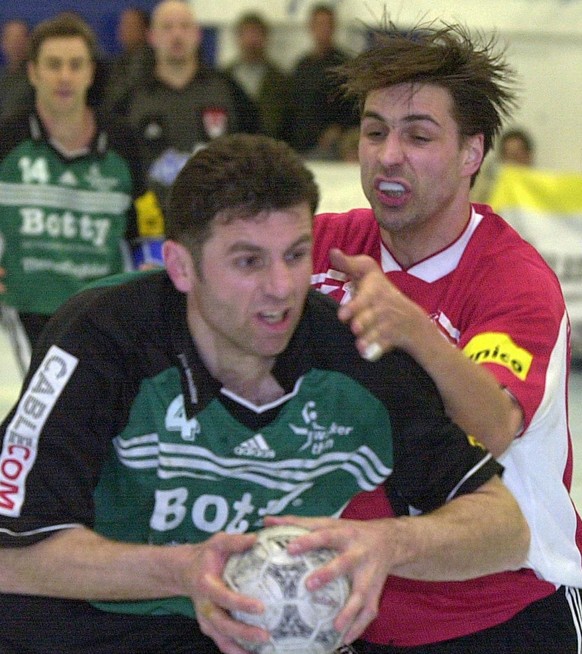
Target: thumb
x=355, y=267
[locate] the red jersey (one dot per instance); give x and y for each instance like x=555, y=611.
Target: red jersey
x=491, y=294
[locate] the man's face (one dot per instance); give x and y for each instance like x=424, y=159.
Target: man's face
x=62, y=74
x=14, y=41
x=252, y=41
x=515, y=151
x=415, y=169
x=131, y=31
x=174, y=34
x=253, y=278
x=322, y=27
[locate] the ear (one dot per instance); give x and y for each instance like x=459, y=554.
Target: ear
x=473, y=154
x=179, y=265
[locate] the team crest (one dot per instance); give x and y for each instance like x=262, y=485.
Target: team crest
x=215, y=121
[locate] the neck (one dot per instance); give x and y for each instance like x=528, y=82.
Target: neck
x=263, y=390
x=74, y=130
x=247, y=375
x=177, y=74
x=419, y=242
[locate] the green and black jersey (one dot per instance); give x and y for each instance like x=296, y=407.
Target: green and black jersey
x=121, y=428
x=63, y=218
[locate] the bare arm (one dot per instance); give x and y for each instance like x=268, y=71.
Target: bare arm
x=475, y=534
x=381, y=314
x=472, y=535
x=79, y=564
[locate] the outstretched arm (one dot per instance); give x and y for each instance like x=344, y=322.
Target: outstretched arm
x=381, y=317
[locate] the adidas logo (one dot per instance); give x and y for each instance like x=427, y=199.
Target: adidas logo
x=255, y=446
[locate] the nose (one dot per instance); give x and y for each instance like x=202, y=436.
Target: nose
x=65, y=72
x=278, y=281
x=391, y=151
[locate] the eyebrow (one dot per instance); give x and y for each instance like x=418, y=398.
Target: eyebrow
x=410, y=118
x=244, y=246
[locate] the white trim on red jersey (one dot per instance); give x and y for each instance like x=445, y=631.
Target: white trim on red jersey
x=493, y=296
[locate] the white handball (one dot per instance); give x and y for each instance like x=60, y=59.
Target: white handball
x=298, y=620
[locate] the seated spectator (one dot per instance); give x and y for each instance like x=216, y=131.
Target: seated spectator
x=136, y=55
x=317, y=114
x=185, y=103
x=262, y=80
x=516, y=147
x=15, y=90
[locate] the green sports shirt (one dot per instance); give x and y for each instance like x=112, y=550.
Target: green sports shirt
x=63, y=219
x=121, y=428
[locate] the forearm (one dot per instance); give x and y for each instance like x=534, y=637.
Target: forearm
x=476, y=534
x=464, y=387
x=79, y=564
x=381, y=317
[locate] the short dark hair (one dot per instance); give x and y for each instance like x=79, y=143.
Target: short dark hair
x=142, y=14
x=519, y=134
x=322, y=8
x=67, y=24
x=471, y=68
x=252, y=18
x=235, y=176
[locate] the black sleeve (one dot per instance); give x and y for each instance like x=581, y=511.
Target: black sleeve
x=55, y=440
x=434, y=460
x=123, y=140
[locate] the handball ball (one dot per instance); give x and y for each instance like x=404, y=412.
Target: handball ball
x=298, y=620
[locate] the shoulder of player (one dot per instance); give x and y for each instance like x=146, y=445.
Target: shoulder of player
x=351, y=231
x=120, y=134
x=333, y=345
x=512, y=261
x=121, y=307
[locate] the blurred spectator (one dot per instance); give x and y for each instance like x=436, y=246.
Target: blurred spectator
x=132, y=29
x=136, y=56
x=516, y=147
x=262, y=80
x=348, y=145
x=15, y=90
x=317, y=113
x=96, y=92
x=184, y=103
x=67, y=181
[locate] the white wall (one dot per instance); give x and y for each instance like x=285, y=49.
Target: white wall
x=543, y=39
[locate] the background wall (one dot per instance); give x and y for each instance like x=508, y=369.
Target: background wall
x=543, y=40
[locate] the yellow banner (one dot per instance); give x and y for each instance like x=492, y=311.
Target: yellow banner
x=546, y=209
x=541, y=191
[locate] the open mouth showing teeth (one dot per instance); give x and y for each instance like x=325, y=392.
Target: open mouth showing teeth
x=273, y=317
x=392, y=188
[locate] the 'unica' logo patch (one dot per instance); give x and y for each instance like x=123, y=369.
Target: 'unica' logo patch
x=496, y=347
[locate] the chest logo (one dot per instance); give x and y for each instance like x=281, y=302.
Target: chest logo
x=318, y=438
x=256, y=447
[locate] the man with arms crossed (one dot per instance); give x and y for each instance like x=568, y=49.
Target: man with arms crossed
x=431, y=105
x=165, y=417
